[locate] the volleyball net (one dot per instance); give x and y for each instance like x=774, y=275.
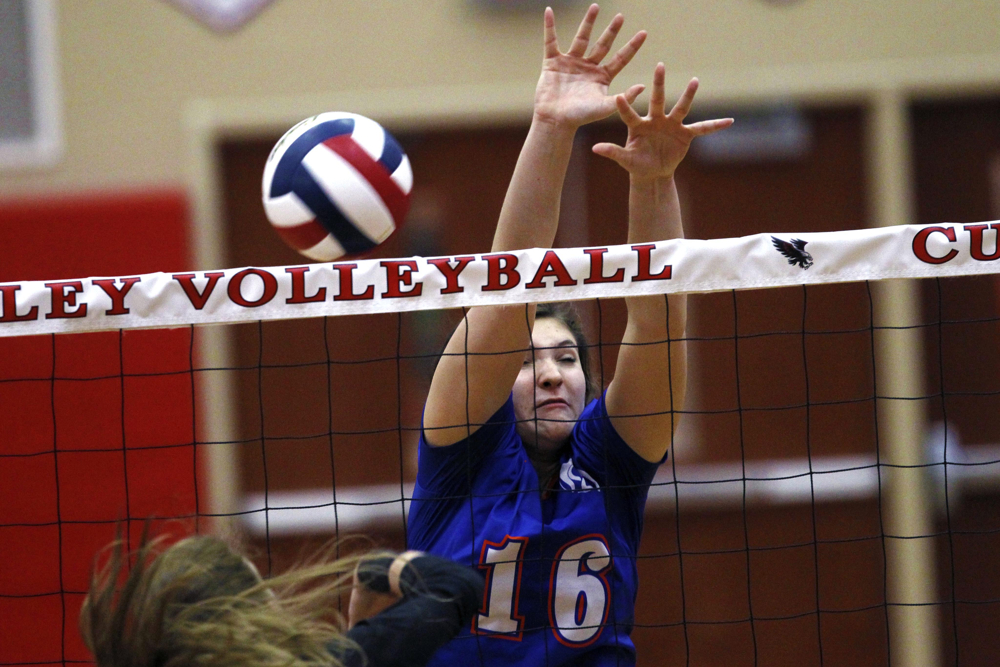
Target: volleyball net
x=832, y=494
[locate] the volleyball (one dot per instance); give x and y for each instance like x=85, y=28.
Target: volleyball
x=336, y=185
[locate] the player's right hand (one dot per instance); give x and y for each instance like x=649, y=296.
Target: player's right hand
x=573, y=87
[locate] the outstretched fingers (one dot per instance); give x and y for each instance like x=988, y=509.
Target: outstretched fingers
x=625, y=54
x=582, y=39
x=683, y=106
x=709, y=126
x=658, y=99
x=632, y=94
x=603, y=45
x=611, y=151
x=625, y=110
x=551, y=43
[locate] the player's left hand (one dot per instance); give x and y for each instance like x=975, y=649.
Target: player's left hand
x=658, y=141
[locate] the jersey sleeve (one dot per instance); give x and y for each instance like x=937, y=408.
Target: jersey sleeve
x=440, y=598
x=447, y=471
x=603, y=453
x=599, y=450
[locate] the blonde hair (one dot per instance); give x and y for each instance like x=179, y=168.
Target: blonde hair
x=198, y=603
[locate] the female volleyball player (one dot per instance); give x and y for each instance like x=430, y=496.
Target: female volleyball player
x=200, y=603
x=517, y=474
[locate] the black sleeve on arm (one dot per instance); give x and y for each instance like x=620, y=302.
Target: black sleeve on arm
x=440, y=598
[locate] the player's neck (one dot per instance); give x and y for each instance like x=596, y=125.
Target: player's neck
x=546, y=470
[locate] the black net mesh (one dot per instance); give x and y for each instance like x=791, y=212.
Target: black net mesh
x=781, y=530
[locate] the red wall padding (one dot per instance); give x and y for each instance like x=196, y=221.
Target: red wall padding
x=108, y=415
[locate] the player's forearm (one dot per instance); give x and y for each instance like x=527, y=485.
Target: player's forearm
x=654, y=210
x=655, y=215
x=530, y=213
x=652, y=362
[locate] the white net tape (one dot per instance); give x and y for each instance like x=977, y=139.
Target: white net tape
x=525, y=276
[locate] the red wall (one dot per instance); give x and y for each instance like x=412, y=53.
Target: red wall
x=78, y=411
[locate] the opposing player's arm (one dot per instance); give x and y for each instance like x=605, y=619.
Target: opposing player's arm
x=482, y=359
x=651, y=374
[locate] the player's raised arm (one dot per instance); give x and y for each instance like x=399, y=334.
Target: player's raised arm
x=651, y=375
x=488, y=346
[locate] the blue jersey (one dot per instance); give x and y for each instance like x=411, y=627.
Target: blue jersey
x=560, y=565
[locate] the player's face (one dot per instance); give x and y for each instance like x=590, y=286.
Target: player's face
x=551, y=386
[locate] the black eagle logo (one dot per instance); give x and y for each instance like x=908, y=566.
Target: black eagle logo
x=795, y=251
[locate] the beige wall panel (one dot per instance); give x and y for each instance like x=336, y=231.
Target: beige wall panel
x=131, y=69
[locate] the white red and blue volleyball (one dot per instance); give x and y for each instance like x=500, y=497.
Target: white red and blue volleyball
x=336, y=185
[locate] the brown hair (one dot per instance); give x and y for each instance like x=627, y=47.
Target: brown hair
x=565, y=312
x=199, y=603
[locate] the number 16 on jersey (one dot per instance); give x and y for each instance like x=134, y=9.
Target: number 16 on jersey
x=578, y=597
